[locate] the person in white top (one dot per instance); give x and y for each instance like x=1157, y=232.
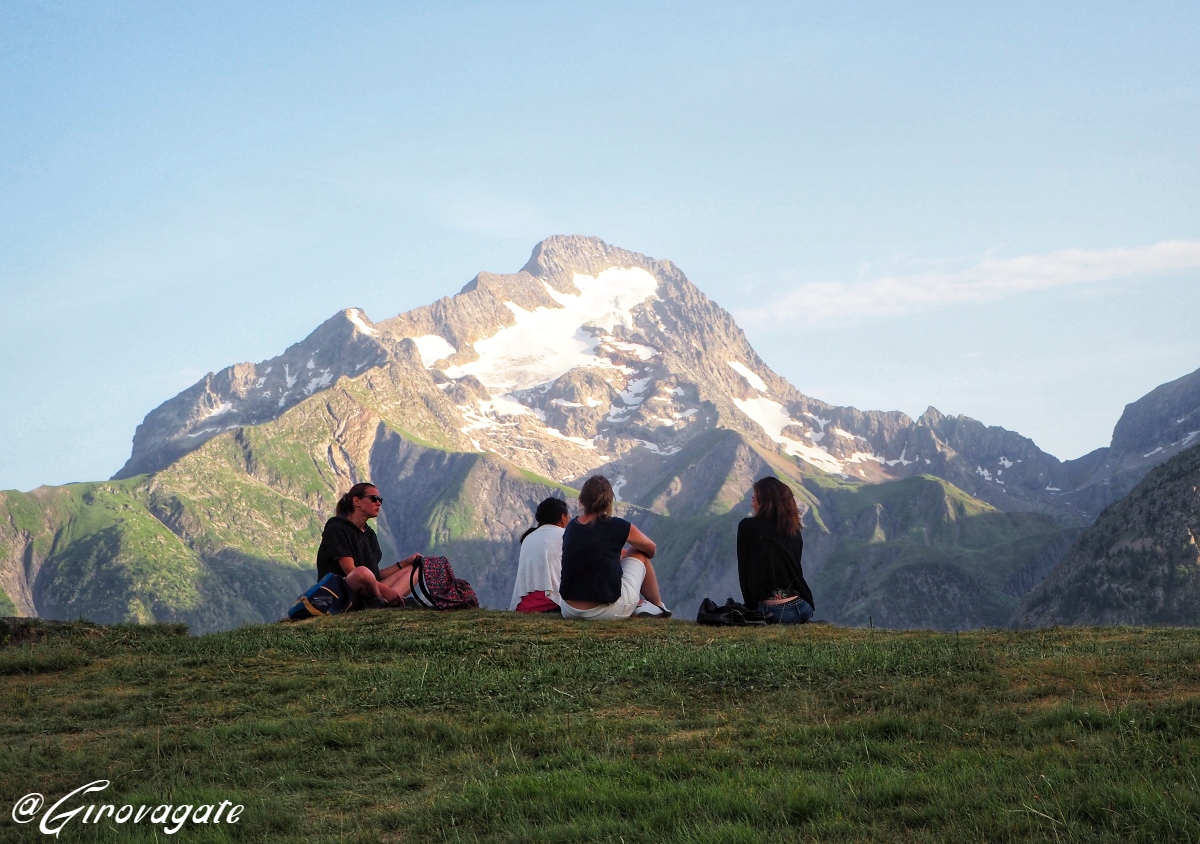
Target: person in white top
x=539, y=569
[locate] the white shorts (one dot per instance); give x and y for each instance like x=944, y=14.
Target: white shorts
x=633, y=572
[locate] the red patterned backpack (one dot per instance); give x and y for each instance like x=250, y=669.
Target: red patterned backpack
x=434, y=585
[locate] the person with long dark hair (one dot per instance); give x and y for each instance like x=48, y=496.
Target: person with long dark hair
x=769, y=547
x=350, y=548
x=606, y=570
x=539, y=567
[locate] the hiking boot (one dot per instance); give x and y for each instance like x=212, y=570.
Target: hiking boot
x=648, y=610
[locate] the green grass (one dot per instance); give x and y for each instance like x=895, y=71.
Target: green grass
x=476, y=726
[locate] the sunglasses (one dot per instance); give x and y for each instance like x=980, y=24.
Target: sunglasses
x=374, y=498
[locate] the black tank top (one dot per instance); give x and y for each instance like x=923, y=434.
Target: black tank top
x=591, y=560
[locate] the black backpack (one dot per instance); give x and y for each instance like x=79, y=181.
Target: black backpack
x=732, y=614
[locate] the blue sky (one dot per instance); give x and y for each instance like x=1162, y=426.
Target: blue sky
x=995, y=212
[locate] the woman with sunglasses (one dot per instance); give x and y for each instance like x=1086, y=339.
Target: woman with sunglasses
x=350, y=548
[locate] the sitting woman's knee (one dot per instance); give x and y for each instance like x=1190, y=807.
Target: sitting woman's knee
x=360, y=579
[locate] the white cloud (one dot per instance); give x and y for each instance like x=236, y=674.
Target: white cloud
x=988, y=281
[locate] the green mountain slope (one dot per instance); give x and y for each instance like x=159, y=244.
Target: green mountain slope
x=228, y=534
x=922, y=553
x=1140, y=562
x=97, y=551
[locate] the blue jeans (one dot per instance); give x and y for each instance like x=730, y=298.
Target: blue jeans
x=797, y=612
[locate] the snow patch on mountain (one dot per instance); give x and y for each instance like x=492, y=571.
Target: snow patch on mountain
x=579, y=441
x=772, y=418
x=863, y=457
x=749, y=374
x=618, y=485
x=546, y=343
x=632, y=394
x=322, y=380
x=432, y=348
x=821, y=423
x=359, y=319
x=636, y=349
x=655, y=449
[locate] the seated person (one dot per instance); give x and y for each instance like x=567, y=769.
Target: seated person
x=539, y=568
x=601, y=578
x=350, y=548
x=769, y=546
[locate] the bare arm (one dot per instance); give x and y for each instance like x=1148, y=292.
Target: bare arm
x=398, y=565
x=640, y=542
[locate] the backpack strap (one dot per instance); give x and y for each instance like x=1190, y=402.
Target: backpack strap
x=313, y=611
x=417, y=586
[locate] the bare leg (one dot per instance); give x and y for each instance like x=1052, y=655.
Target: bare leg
x=650, y=584
x=362, y=583
x=401, y=580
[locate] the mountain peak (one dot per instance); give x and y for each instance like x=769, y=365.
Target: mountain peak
x=592, y=357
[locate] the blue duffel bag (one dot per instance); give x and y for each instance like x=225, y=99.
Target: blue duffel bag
x=329, y=597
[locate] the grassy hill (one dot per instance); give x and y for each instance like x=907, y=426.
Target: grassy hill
x=478, y=726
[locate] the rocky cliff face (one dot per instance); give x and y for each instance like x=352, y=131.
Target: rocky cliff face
x=251, y=394
x=1138, y=564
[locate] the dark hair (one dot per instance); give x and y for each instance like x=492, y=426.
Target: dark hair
x=777, y=504
x=549, y=512
x=596, y=497
x=345, y=505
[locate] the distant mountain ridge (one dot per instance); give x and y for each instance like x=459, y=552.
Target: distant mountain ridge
x=468, y=410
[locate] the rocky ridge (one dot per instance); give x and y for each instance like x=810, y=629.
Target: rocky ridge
x=593, y=358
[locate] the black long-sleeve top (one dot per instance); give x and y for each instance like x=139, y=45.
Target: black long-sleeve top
x=769, y=563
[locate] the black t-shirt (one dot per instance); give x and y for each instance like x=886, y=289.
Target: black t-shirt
x=769, y=562
x=591, y=560
x=341, y=538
